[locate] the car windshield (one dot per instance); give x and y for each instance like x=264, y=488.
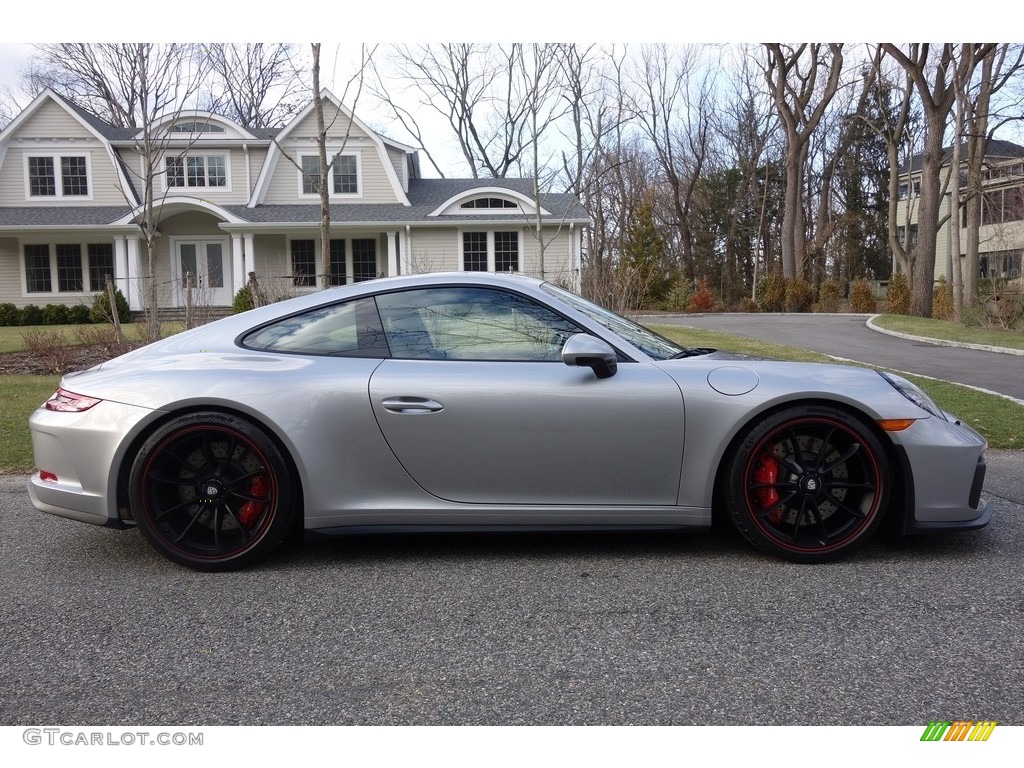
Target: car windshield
x=650, y=343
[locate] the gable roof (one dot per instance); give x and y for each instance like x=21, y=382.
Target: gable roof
x=274, y=155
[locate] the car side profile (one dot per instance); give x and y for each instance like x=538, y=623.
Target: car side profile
x=470, y=401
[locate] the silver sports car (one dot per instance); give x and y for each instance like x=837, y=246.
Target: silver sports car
x=468, y=401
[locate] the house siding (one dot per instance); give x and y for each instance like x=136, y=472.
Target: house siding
x=10, y=271
x=375, y=186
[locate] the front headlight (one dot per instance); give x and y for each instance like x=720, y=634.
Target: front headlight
x=914, y=394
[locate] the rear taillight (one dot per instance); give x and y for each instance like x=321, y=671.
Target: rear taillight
x=62, y=400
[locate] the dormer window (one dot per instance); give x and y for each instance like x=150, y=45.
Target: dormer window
x=197, y=171
x=58, y=176
x=490, y=203
x=344, y=175
x=195, y=127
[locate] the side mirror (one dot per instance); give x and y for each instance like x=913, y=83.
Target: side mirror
x=590, y=352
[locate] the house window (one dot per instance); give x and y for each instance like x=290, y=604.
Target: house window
x=74, y=177
x=901, y=235
x=69, y=268
x=474, y=251
x=197, y=128
x=197, y=171
x=37, y=269
x=490, y=251
x=344, y=175
x=489, y=203
x=58, y=176
x=304, y=262
x=101, y=264
x=904, y=188
x=364, y=259
x=337, y=262
x=71, y=263
x=506, y=251
x=310, y=174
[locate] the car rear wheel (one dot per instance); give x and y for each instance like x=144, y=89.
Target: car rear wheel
x=808, y=484
x=211, y=491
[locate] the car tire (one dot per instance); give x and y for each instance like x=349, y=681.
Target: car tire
x=212, y=492
x=808, y=484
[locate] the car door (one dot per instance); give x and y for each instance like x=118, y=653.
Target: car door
x=478, y=407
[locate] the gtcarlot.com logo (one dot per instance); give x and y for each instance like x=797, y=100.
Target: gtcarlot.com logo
x=75, y=738
x=958, y=730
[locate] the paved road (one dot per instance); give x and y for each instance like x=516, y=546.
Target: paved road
x=848, y=336
x=586, y=629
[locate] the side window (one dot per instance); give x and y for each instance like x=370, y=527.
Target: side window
x=351, y=329
x=471, y=324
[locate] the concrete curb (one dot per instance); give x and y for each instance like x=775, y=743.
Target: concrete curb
x=942, y=342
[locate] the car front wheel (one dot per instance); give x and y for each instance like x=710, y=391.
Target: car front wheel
x=808, y=484
x=211, y=491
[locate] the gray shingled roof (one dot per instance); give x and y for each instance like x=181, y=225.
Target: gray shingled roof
x=61, y=216
x=424, y=194
x=997, y=150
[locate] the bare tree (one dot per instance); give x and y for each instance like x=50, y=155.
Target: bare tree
x=256, y=85
x=477, y=89
x=800, y=99
x=999, y=67
x=933, y=77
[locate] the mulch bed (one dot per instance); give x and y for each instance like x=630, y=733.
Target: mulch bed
x=69, y=359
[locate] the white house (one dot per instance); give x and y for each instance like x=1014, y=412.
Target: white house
x=233, y=201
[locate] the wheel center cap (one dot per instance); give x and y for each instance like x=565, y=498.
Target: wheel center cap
x=810, y=483
x=210, y=490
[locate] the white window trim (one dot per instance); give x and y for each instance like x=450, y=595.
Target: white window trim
x=333, y=195
x=490, y=246
x=56, y=155
x=186, y=190
x=51, y=246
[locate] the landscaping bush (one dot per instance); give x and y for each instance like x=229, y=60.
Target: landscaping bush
x=897, y=296
x=747, y=304
x=243, y=300
x=100, y=312
x=830, y=295
x=702, y=300
x=799, y=295
x=30, y=314
x=9, y=314
x=942, y=301
x=678, y=297
x=772, y=293
x=55, y=314
x=861, y=298
x=79, y=315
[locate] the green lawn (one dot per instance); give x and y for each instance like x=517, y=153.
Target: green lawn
x=19, y=396
x=950, y=331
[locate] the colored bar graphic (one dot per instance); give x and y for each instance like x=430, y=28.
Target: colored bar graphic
x=958, y=730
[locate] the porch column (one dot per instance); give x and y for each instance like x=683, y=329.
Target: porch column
x=122, y=278
x=136, y=294
x=406, y=250
x=238, y=259
x=392, y=254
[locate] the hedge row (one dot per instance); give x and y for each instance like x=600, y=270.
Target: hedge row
x=62, y=314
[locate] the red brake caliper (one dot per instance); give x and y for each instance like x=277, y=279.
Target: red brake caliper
x=251, y=510
x=767, y=472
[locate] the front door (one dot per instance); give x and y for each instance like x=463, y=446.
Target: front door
x=206, y=261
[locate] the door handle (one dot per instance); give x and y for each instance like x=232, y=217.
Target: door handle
x=411, y=405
